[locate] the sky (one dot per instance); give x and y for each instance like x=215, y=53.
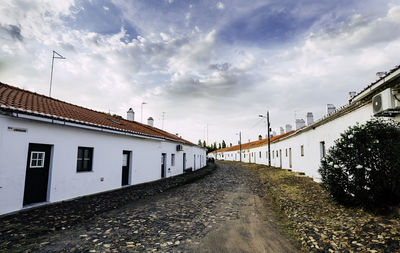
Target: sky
x=210, y=67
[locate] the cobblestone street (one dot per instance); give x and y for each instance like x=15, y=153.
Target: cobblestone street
x=221, y=212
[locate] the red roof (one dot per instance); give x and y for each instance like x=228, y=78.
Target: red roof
x=16, y=99
x=253, y=144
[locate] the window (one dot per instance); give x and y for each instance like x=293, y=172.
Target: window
x=302, y=150
x=277, y=153
x=37, y=159
x=286, y=152
x=172, y=159
x=85, y=157
x=260, y=154
x=322, y=149
x=273, y=154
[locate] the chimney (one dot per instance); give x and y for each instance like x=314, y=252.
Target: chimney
x=379, y=75
x=310, y=118
x=260, y=137
x=288, y=128
x=273, y=134
x=130, y=115
x=230, y=144
x=351, y=95
x=281, y=130
x=330, y=108
x=300, y=123
x=150, y=121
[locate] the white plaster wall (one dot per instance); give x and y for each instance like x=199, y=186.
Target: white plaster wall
x=64, y=181
x=310, y=162
x=329, y=132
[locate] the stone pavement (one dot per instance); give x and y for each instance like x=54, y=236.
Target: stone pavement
x=177, y=220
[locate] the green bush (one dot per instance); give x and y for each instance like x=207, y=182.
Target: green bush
x=363, y=167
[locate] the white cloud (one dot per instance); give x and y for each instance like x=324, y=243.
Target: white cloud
x=220, y=6
x=192, y=73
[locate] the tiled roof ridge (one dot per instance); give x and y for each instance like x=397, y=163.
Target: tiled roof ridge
x=253, y=144
x=160, y=133
x=54, y=99
x=378, y=80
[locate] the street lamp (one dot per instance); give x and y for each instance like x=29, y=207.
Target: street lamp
x=268, y=136
x=240, y=145
x=141, y=112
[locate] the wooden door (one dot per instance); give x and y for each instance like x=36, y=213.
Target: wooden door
x=37, y=173
x=125, y=167
x=184, y=161
x=163, y=164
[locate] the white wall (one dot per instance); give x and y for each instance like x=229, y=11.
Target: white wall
x=328, y=133
x=64, y=181
x=310, y=162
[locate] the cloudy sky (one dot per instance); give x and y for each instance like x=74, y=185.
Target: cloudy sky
x=204, y=63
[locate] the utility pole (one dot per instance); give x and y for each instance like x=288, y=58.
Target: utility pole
x=240, y=145
x=269, y=140
x=268, y=136
x=141, y=112
x=55, y=56
x=163, y=117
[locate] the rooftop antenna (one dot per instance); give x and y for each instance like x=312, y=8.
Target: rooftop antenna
x=163, y=117
x=55, y=56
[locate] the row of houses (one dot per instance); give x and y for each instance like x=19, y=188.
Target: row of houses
x=301, y=149
x=52, y=151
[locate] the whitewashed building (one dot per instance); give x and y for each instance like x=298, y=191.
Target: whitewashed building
x=302, y=149
x=52, y=151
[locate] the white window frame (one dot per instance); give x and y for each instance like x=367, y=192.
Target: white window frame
x=42, y=159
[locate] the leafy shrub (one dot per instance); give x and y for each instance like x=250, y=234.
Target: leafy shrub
x=363, y=167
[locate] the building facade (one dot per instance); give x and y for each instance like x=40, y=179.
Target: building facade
x=52, y=151
x=301, y=150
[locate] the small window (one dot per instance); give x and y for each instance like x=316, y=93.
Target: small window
x=172, y=159
x=302, y=150
x=286, y=152
x=37, y=159
x=273, y=154
x=84, y=161
x=277, y=153
x=260, y=154
x=322, y=149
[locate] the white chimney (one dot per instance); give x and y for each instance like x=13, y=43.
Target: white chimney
x=351, y=95
x=300, y=123
x=310, y=118
x=330, y=108
x=260, y=137
x=288, y=128
x=150, y=121
x=379, y=75
x=281, y=130
x=273, y=134
x=130, y=115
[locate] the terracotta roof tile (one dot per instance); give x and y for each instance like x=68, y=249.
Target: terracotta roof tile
x=13, y=99
x=253, y=144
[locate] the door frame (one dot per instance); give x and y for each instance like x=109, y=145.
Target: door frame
x=129, y=152
x=47, y=159
x=184, y=162
x=164, y=165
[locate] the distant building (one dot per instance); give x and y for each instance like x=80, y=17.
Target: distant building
x=301, y=150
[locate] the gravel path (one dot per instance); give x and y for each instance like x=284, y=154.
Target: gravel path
x=221, y=212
